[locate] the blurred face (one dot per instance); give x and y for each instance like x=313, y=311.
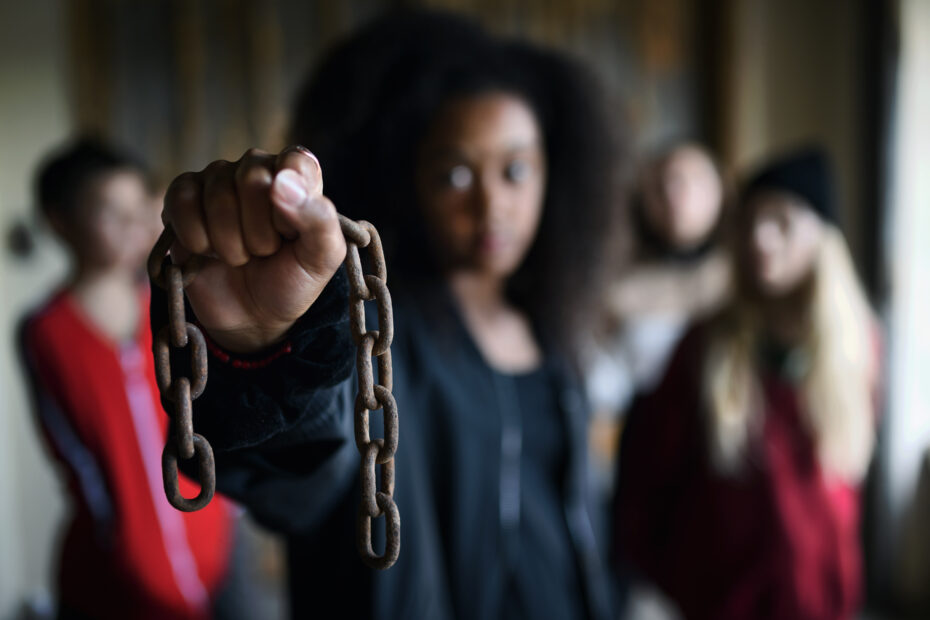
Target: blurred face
x=117, y=222
x=683, y=197
x=784, y=240
x=480, y=179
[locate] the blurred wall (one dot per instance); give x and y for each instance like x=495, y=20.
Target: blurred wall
x=793, y=73
x=906, y=459
x=35, y=115
x=188, y=82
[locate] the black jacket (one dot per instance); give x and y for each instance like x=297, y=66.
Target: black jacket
x=284, y=446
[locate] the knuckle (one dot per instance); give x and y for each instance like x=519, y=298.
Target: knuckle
x=182, y=189
x=193, y=237
x=219, y=193
x=253, y=176
x=250, y=159
x=199, y=246
x=184, y=179
x=217, y=167
x=242, y=170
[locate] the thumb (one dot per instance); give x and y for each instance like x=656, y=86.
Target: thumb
x=310, y=222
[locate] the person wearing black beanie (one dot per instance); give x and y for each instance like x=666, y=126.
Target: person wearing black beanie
x=739, y=475
x=806, y=173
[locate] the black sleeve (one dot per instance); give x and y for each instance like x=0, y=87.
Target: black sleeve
x=282, y=433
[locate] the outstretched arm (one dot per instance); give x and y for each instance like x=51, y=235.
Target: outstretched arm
x=276, y=407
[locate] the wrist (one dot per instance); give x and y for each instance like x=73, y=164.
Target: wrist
x=253, y=361
x=248, y=341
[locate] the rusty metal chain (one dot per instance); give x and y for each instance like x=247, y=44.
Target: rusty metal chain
x=375, y=501
x=180, y=391
x=175, y=389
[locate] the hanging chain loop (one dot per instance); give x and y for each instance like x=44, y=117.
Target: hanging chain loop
x=180, y=391
x=177, y=390
x=371, y=396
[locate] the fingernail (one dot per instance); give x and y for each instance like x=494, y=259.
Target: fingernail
x=309, y=154
x=289, y=188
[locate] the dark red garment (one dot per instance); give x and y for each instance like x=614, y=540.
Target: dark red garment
x=126, y=552
x=778, y=541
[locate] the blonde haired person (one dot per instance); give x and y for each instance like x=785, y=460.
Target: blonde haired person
x=739, y=473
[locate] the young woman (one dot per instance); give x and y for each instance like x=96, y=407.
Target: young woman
x=739, y=472
x=125, y=552
x=487, y=167
x=679, y=273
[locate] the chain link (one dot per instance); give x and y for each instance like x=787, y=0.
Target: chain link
x=177, y=390
x=375, y=502
x=180, y=391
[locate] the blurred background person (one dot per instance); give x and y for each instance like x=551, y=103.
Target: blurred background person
x=739, y=474
x=679, y=272
x=125, y=552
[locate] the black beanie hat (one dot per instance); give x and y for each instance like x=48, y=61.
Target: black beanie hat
x=806, y=173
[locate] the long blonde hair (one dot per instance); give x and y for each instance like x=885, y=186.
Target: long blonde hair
x=836, y=387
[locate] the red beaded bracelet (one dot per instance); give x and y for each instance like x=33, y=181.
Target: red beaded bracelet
x=235, y=362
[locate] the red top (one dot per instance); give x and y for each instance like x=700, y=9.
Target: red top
x=126, y=552
x=779, y=540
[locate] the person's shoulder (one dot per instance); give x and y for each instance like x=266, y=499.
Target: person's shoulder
x=683, y=372
x=48, y=331
x=48, y=318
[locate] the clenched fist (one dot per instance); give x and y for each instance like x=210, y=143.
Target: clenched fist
x=271, y=238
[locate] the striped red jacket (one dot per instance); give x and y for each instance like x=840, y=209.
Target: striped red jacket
x=125, y=552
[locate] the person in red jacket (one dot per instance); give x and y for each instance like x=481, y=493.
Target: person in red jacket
x=126, y=552
x=738, y=481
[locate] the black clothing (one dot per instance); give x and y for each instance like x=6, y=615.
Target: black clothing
x=491, y=470
x=543, y=579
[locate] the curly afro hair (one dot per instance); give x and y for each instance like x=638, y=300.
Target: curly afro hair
x=368, y=106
